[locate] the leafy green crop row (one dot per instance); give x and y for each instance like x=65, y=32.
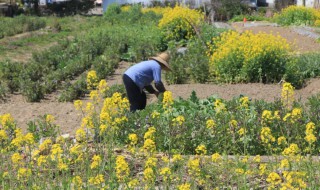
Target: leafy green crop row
x=20, y=24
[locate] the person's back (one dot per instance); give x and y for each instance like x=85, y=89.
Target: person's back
x=144, y=73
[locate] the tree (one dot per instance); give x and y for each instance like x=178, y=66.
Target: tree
x=280, y=4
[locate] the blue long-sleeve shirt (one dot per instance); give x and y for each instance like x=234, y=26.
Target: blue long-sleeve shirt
x=144, y=73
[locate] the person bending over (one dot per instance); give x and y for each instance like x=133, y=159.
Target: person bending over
x=140, y=76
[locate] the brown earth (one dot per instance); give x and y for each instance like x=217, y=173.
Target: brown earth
x=69, y=119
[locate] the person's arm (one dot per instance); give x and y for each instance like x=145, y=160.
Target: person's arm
x=160, y=87
x=150, y=89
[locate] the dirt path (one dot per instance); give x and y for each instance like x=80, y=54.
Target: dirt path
x=69, y=119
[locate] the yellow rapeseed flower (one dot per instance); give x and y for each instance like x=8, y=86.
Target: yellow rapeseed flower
x=149, y=145
x=274, y=178
x=80, y=135
x=287, y=94
x=151, y=162
x=210, y=124
x=97, y=180
x=179, y=120
x=201, y=150
x=239, y=171
x=257, y=159
x=16, y=159
x=3, y=135
x=177, y=157
x=77, y=181
x=49, y=118
x=92, y=80
x=242, y=131
x=122, y=169
x=78, y=104
x=6, y=120
x=186, y=186
x=216, y=157
x=133, y=138
x=96, y=161
x=133, y=183
x=148, y=175
x=292, y=150
x=194, y=167
x=150, y=133
x=282, y=140
x=262, y=169
x=284, y=164
x=103, y=86
x=167, y=100
x=41, y=160
x=166, y=173
x=29, y=138
x=24, y=173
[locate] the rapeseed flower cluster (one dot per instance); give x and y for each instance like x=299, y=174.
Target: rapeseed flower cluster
x=180, y=22
x=294, y=116
x=244, y=102
x=167, y=100
x=216, y=158
x=266, y=136
x=201, y=150
x=267, y=117
x=274, y=179
x=210, y=124
x=287, y=95
x=292, y=150
x=219, y=106
x=178, y=121
x=92, y=80
x=236, y=57
x=310, y=133
x=96, y=161
x=149, y=145
x=122, y=169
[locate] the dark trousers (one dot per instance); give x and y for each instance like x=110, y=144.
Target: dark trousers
x=137, y=99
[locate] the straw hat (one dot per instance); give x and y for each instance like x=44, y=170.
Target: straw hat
x=162, y=58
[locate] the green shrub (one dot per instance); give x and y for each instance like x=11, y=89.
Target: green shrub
x=42, y=127
x=19, y=24
x=294, y=15
x=112, y=13
x=193, y=64
x=32, y=90
x=314, y=105
x=74, y=91
x=309, y=65
x=9, y=74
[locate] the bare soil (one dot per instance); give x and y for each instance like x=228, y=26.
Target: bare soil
x=69, y=119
